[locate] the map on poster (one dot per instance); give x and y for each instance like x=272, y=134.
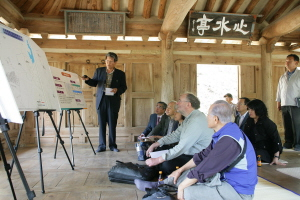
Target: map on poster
x=25, y=76
x=68, y=89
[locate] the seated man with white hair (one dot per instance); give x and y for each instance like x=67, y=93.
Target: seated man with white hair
x=210, y=174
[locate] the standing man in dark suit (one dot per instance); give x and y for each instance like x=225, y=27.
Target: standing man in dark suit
x=155, y=118
x=111, y=84
x=243, y=114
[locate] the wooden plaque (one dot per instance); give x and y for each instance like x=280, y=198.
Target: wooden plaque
x=220, y=25
x=94, y=22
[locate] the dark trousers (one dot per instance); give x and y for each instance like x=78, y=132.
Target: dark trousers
x=291, y=123
x=107, y=114
x=169, y=166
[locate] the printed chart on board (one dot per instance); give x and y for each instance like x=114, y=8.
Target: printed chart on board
x=68, y=89
x=26, y=80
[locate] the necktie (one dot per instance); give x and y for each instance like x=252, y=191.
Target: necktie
x=158, y=120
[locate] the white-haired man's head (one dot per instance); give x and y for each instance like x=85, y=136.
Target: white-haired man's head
x=219, y=113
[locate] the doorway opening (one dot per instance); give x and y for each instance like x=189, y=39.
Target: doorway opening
x=214, y=81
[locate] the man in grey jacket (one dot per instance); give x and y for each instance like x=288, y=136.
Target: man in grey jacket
x=192, y=136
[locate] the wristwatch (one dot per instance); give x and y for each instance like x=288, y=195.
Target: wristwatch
x=276, y=157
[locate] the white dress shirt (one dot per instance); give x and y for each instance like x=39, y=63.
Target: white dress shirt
x=288, y=90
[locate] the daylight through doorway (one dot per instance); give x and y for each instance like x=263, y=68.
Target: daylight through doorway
x=214, y=81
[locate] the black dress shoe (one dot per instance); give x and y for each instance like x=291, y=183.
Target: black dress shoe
x=115, y=149
x=100, y=149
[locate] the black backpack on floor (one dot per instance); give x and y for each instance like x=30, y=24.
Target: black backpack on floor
x=127, y=172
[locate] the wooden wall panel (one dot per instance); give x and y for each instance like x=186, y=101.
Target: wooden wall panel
x=250, y=81
x=141, y=110
x=144, y=85
x=121, y=119
x=142, y=77
x=185, y=79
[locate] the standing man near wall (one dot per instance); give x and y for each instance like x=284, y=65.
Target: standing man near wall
x=111, y=84
x=287, y=93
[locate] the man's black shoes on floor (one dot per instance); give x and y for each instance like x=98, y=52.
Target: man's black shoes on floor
x=114, y=149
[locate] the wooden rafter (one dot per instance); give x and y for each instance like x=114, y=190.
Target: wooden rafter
x=284, y=25
x=56, y=7
x=20, y=3
x=78, y=3
x=115, y=5
x=237, y=4
x=83, y=5
x=47, y=7
x=251, y=6
x=99, y=5
x=70, y=4
x=39, y=6
x=161, y=9
x=27, y=8
x=224, y=5
x=209, y=5
x=266, y=11
x=147, y=8
x=281, y=10
x=131, y=8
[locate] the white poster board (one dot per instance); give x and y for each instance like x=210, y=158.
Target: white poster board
x=25, y=76
x=68, y=89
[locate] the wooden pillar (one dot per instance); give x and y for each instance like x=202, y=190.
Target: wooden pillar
x=167, y=68
x=267, y=83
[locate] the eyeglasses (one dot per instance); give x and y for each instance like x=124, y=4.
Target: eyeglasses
x=110, y=61
x=179, y=100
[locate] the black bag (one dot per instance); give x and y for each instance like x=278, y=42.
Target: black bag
x=157, y=193
x=127, y=172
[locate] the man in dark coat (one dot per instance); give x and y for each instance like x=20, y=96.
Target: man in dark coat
x=111, y=84
x=243, y=115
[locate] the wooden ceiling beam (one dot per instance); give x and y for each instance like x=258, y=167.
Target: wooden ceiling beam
x=209, y=5
x=177, y=11
x=251, y=6
x=161, y=9
x=286, y=4
x=131, y=8
x=11, y=13
x=115, y=5
x=224, y=6
x=266, y=11
x=147, y=8
x=237, y=4
x=284, y=25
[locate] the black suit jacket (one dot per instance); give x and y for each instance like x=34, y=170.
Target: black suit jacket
x=237, y=118
x=118, y=81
